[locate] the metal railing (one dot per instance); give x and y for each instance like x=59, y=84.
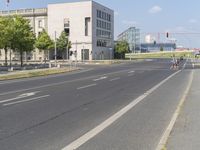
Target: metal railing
x=37, y=11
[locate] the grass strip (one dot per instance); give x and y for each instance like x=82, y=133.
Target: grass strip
x=29, y=74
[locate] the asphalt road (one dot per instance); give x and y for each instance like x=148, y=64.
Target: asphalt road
x=50, y=113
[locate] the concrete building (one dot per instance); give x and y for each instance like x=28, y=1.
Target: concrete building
x=38, y=21
x=132, y=36
x=89, y=25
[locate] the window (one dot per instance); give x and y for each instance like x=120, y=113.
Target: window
x=87, y=21
x=40, y=24
x=67, y=31
x=101, y=43
x=66, y=23
x=109, y=17
x=67, y=26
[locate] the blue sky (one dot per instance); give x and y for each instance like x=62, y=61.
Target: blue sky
x=151, y=16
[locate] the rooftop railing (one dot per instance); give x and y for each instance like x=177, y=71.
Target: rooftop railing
x=37, y=11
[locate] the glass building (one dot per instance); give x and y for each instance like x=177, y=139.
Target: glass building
x=132, y=36
x=155, y=47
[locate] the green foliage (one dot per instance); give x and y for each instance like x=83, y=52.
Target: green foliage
x=121, y=48
x=161, y=49
x=63, y=42
x=44, y=42
x=23, y=39
x=16, y=34
x=6, y=32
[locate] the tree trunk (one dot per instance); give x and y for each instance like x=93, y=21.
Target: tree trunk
x=63, y=55
x=45, y=57
x=21, y=58
x=6, y=58
x=10, y=58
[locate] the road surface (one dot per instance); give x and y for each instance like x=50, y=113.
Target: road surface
x=58, y=112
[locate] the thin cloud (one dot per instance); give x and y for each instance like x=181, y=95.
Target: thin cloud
x=130, y=22
x=193, y=21
x=155, y=9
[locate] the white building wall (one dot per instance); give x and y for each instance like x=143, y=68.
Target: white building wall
x=76, y=13
x=52, y=20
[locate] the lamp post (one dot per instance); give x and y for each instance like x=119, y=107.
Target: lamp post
x=110, y=52
x=55, y=52
x=7, y=5
x=83, y=52
x=67, y=51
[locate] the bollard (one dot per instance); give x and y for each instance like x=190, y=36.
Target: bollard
x=58, y=66
x=50, y=65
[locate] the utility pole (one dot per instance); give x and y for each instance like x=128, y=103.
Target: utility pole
x=7, y=5
x=55, y=50
x=67, y=51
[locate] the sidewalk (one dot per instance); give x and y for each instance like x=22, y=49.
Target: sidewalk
x=186, y=132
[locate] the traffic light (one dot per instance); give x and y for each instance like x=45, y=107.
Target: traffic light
x=167, y=34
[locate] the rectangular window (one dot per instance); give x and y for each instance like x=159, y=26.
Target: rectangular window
x=109, y=17
x=67, y=31
x=66, y=23
x=40, y=24
x=87, y=21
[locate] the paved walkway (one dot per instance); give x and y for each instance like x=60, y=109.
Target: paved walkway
x=186, y=133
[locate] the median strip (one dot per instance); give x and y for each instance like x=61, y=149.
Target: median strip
x=34, y=73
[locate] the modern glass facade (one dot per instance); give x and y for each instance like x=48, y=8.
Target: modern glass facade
x=153, y=47
x=132, y=36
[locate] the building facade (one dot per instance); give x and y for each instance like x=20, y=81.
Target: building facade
x=155, y=47
x=89, y=26
x=38, y=21
x=132, y=36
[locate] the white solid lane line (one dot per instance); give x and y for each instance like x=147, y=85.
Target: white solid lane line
x=131, y=72
x=163, y=141
x=92, y=133
x=115, y=79
x=101, y=78
x=27, y=100
x=87, y=86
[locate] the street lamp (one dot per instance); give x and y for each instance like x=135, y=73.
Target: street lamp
x=83, y=52
x=110, y=52
x=55, y=52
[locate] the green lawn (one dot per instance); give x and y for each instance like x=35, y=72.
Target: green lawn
x=159, y=55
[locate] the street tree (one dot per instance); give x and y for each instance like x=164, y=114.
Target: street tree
x=63, y=44
x=6, y=32
x=161, y=49
x=121, y=48
x=24, y=38
x=44, y=43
